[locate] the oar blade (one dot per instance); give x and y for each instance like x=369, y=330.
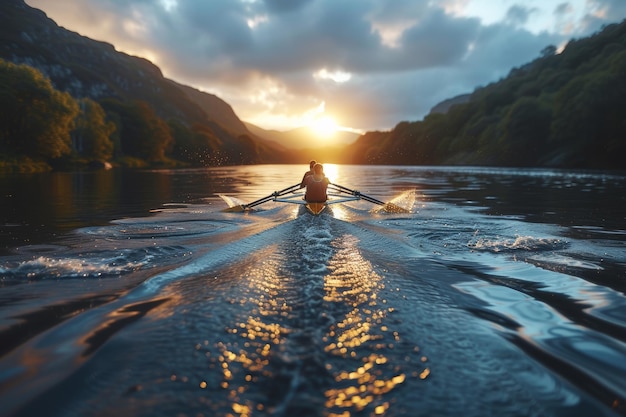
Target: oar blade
x=235, y=209
x=394, y=208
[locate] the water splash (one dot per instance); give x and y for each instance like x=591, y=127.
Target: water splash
x=102, y=264
x=404, y=203
x=520, y=243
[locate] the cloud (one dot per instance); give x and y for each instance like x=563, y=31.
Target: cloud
x=601, y=12
x=519, y=15
x=280, y=6
x=396, y=58
x=440, y=40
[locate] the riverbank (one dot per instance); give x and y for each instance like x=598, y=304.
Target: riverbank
x=26, y=165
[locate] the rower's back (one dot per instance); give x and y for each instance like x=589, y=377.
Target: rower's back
x=316, y=185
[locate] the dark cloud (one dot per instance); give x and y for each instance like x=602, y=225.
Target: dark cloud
x=519, y=15
x=438, y=40
x=392, y=12
x=320, y=36
x=280, y=6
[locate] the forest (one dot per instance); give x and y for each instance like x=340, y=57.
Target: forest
x=42, y=128
x=564, y=109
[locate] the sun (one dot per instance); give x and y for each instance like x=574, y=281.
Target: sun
x=324, y=127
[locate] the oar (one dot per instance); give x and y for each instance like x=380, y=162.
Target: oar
x=265, y=199
x=273, y=196
x=359, y=194
x=387, y=206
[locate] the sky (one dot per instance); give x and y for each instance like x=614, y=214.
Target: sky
x=359, y=65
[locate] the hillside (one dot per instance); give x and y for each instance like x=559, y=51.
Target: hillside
x=561, y=110
x=216, y=109
x=445, y=105
x=87, y=68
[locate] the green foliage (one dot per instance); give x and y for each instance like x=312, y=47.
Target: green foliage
x=91, y=137
x=526, y=128
x=35, y=119
x=197, y=145
x=565, y=110
x=142, y=134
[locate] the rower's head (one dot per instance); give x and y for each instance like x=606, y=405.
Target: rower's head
x=312, y=164
x=318, y=169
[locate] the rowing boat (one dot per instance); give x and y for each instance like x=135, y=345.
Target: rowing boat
x=336, y=194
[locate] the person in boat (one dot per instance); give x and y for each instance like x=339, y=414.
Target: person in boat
x=316, y=185
x=306, y=174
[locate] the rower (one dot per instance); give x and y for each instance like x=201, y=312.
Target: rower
x=316, y=185
x=309, y=172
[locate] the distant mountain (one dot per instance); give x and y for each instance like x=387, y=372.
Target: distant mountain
x=445, y=105
x=87, y=68
x=272, y=136
x=303, y=137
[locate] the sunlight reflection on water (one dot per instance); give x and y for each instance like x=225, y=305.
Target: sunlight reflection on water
x=354, y=283
x=502, y=294
x=318, y=329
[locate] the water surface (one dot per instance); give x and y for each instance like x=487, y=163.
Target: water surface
x=501, y=292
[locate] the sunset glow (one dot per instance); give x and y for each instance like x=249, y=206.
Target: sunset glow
x=325, y=127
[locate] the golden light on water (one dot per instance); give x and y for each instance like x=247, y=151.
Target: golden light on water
x=241, y=363
x=362, y=334
x=358, y=349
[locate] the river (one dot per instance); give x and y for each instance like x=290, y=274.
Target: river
x=501, y=292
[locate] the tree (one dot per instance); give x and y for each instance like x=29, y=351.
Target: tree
x=151, y=137
x=526, y=130
x=435, y=131
x=196, y=145
x=142, y=133
x=91, y=137
x=35, y=118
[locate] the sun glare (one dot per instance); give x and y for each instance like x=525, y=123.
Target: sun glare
x=331, y=171
x=324, y=127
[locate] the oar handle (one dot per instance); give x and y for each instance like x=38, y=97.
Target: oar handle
x=257, y=202
x=372, y=199
x=271, y=196
x=287, y=190
x=341, y=187
x=358, y=194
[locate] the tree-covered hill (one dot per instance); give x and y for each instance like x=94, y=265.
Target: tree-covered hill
x=194, y=127
x=564, y=109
